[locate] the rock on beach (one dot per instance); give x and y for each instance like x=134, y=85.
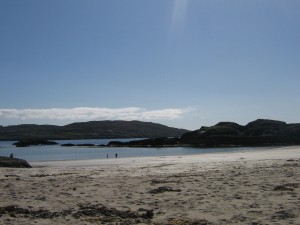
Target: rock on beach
x=13, y=162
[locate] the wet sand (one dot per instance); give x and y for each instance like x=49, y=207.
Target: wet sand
x=256, y=187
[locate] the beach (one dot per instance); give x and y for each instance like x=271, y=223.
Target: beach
x=251, y=187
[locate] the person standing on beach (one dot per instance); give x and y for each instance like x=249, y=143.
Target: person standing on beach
x=116, y=155
x=107, y=156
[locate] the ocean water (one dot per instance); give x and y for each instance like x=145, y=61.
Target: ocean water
x=57, y=152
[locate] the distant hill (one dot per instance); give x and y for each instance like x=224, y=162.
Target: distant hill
x=257, y=133
x=260, y=132
x=89, y=130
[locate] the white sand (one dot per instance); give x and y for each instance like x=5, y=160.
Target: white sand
x=256, y=154
x=254, y=187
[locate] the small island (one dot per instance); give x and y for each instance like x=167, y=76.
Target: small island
x=31, y=142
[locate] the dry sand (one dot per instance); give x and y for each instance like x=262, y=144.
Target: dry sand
x=256, y=187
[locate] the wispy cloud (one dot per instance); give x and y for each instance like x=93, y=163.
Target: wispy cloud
x=179, y=14
x=86, y=114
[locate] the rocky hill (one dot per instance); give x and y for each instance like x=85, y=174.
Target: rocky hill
x=89, y=130
x=257, y=133
x=260, y=132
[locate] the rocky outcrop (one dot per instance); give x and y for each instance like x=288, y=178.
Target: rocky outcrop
x=31, y=142
x=261, y=132
x=13, y=162
x=99, y=211
x=152, y=142
x=163, y=189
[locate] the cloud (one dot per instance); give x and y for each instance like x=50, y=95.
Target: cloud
x=86, y=114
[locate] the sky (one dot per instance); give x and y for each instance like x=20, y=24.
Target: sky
x=181, y=63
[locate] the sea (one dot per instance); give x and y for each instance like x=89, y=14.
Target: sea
x=57, y=152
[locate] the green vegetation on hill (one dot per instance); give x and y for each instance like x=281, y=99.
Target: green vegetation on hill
x=257, y=133
x=89, y=130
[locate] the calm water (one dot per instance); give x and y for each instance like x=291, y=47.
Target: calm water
x=53, y=153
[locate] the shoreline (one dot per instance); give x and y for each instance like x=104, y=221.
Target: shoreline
x=257, y=187
x=283, y=152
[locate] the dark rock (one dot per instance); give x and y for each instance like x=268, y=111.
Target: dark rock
x=286, y=187
x=30, y=142
x=163, y=189
x=13, y=209
x=145, y=213
x=67, y=145
x=44, y=214
x=98, y=210
x=14, y=162
x=185, y=221
x=284, y=214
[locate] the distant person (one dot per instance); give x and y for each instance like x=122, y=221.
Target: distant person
x=11, y=155
x=116, y=155
x=107, y=156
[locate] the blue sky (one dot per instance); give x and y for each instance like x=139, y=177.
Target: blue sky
x=182, y=63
